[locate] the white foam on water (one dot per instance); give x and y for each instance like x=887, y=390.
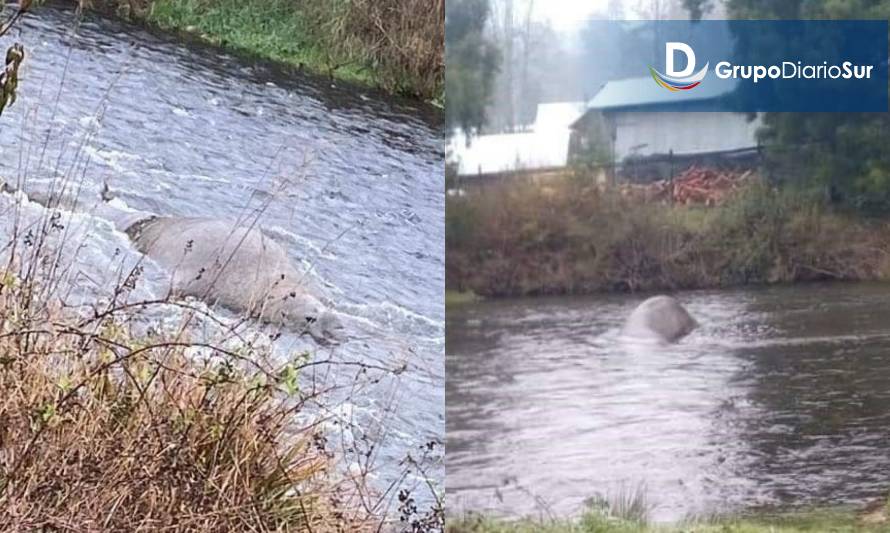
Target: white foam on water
x=796, y=341
x=211, y=179
x=89, y=121
x=114, y=159
x=118, y=203
x=93, y=254
x=389, y=313
x=301, y=242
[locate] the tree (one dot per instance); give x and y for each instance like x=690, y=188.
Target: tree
x=471, y=62
x=535, y=66
x=843, y=154
x=697, y=8
x=675, y=9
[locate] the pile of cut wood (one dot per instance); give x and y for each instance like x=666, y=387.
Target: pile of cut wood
x=699, y=185
x=695, y=186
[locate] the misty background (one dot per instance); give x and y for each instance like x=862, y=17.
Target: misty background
x=547, y=51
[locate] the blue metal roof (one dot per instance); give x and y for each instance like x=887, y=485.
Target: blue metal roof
x=640, y=92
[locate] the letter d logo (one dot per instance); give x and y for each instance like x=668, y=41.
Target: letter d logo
x=670, y=50
x=679, y=81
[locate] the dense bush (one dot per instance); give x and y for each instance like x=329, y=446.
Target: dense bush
x=523, y=238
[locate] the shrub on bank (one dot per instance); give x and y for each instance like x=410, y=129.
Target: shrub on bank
x=402, y=42
x=566, y=237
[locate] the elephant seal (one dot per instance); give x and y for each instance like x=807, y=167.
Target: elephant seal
x=219, y=262
x=660, y=319
x=235, y=266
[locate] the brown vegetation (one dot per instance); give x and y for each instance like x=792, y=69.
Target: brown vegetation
x=403, y=40
x=104, y=429
x=518, y=238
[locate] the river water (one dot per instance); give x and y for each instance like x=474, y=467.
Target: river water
x=780, y=398
x=351, y=184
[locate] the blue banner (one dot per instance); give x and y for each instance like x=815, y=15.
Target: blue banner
x=747, y=65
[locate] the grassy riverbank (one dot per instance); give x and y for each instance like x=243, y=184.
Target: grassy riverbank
x=397, y=45
x=567, y=237
x=819, y=521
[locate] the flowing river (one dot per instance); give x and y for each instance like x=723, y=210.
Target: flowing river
x=780, y=398
x=351, y=183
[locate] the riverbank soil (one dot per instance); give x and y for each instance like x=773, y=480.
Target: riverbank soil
x=396, y=45
x=567, y=236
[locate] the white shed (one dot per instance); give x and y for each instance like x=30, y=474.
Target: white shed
x=545, y=147
x=644, y=119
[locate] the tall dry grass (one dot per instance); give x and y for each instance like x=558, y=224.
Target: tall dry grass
x=402, y=40
x=103, y=430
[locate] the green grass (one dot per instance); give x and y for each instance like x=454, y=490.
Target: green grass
x=393, y=45
x=460, y=298
x=273, y=29
x=816, y=521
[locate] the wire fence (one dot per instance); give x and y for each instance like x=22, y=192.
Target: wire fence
x=776, y=164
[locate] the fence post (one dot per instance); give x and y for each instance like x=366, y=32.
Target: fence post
x=761, y=165
x=671, y=178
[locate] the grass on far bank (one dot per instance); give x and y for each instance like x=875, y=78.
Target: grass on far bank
x=397, y=45
x=460, y=298
x=277, y=30
x=817, y=521
x=570, y=237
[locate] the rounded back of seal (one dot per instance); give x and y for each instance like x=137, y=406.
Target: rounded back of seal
x=660, y=318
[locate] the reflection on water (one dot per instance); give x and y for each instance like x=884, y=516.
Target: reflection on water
x=781, y=397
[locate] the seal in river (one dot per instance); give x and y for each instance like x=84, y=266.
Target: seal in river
x=660, y=318
x=222, y=262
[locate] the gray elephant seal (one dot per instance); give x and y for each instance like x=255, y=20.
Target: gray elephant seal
x=220, y=262
x=237, y=267
x=661, y=319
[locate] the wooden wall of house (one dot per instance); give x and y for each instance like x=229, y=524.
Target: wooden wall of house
x=646, y=133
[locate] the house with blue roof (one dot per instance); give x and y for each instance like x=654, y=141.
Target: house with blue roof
x=637, y=120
